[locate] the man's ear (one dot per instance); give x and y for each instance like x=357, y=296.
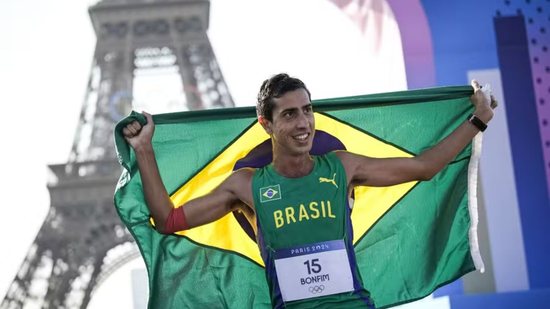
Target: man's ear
x=266, y=124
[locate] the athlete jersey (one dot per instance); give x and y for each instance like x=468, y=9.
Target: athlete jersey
x=305, y=237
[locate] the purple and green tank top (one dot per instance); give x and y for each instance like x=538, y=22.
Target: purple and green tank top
x=306, y=238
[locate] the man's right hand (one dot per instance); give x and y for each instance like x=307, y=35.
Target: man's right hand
x=137, y=135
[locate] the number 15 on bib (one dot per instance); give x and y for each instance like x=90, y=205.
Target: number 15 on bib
x=313, y=270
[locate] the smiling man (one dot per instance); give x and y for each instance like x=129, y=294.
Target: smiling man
x=300, y=201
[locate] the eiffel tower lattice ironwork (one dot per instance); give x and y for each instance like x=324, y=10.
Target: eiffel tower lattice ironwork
x=82, y=240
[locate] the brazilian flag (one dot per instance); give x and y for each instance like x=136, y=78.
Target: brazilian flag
x=409, y=238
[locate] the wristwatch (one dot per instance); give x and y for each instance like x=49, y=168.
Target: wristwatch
x=477, y=122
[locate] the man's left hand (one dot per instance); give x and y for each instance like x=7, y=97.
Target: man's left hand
x=484, y=103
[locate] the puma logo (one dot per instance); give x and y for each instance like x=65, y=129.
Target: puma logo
x=323, y=179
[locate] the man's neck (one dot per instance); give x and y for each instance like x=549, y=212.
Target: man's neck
x=293, y=166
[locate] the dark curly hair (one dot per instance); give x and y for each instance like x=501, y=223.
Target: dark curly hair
x=276, y=87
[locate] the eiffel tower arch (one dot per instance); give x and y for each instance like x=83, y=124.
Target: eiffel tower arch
x=82, y=240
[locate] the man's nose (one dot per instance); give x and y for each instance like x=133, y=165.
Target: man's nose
x=303, y=121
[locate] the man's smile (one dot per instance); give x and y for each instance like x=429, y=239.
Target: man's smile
x=301, y=137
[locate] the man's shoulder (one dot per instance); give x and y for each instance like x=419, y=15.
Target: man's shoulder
x=340, y=154
x=239, y=183
x=346, y=158
x=245, y=173
x=241, y=179
x=343, y=154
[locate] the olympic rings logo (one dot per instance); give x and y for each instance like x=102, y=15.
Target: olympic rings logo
x=316, y=289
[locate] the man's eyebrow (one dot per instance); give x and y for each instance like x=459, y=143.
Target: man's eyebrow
x=295, y=108
x=289, y=110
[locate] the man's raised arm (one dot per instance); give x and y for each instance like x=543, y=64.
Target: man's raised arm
x=367, y=171
x=196, y=212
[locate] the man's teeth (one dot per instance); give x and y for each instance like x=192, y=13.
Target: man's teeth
x=301, y=137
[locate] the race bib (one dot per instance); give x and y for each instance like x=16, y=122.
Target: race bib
x=313, y=270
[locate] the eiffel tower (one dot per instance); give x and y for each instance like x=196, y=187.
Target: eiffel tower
x=82, y=240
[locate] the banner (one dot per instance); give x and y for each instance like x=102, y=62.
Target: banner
x=409, y=239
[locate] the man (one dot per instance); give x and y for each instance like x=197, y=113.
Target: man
x=299, y=200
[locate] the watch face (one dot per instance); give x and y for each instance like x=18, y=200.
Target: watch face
x=477, y=122
x=120, y=105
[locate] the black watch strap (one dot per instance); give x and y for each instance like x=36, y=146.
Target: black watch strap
x=477, y=122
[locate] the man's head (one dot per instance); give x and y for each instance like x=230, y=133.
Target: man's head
x=276, y=87
x=285, y=112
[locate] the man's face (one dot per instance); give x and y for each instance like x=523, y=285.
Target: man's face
x=293, y=124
